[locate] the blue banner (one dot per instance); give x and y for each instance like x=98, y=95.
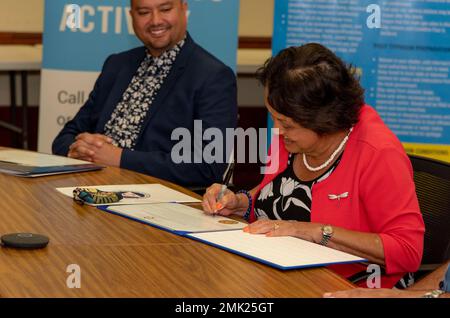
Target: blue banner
x=105, y=27
x=402, y=51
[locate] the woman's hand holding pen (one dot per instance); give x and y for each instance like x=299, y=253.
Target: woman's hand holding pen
x=219, y=200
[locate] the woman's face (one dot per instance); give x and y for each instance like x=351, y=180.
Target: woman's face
x=297, y=139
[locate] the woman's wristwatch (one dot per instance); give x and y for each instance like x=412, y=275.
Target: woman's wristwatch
x=327, y=233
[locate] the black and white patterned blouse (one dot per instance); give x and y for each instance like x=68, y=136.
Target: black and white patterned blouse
x=287, y=197
x=127, y=119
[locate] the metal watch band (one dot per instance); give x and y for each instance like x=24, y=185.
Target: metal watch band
x=327, y=233
x=325, y=239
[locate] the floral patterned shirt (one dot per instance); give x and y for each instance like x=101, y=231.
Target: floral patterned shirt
x=287, y=197
x=127, y=119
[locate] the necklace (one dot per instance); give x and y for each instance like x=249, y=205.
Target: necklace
x=333, y=155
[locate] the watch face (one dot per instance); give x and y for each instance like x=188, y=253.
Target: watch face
x=327, y=229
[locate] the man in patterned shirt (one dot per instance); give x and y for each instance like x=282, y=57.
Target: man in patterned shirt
x=144, y=94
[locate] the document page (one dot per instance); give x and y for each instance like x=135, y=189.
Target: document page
x=177, y=217
x=36, y=159
x=283, y=252
x=137, y=193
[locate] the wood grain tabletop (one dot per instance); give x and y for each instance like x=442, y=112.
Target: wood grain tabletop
x=118, y=257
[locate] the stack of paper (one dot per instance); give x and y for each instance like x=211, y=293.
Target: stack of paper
x=33, y=164
x=283, y=252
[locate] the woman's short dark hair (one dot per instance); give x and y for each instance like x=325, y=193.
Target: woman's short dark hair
x=314, y=87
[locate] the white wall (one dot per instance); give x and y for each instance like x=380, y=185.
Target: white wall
x=256, y=18
x=22, y=15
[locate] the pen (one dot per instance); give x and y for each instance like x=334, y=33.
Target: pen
x=222, y=192
x=224, y=187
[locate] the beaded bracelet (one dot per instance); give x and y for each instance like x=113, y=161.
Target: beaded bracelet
x=247, y=213
x=434, y=293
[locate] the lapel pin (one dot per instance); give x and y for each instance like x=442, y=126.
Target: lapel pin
x=338, y=196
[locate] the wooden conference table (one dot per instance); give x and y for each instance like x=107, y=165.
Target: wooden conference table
x=122, y=258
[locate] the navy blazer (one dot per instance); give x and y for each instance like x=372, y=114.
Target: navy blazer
x=198, y=87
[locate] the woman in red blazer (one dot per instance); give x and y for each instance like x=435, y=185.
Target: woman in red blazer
x=339, y=177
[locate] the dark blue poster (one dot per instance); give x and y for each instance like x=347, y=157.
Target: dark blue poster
x=402, y=51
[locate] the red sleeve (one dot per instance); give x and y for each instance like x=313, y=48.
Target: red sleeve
x=389, y=197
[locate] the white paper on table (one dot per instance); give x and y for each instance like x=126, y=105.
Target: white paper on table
x=176, y=217
x=152, y=193
x=282, y=252
x=36, y=159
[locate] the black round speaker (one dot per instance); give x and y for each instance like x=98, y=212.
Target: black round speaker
x=24, y=240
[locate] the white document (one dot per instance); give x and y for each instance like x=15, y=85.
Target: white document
x=138, y=193
x=283, y=252
x=36, y=159
x=177, y=217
